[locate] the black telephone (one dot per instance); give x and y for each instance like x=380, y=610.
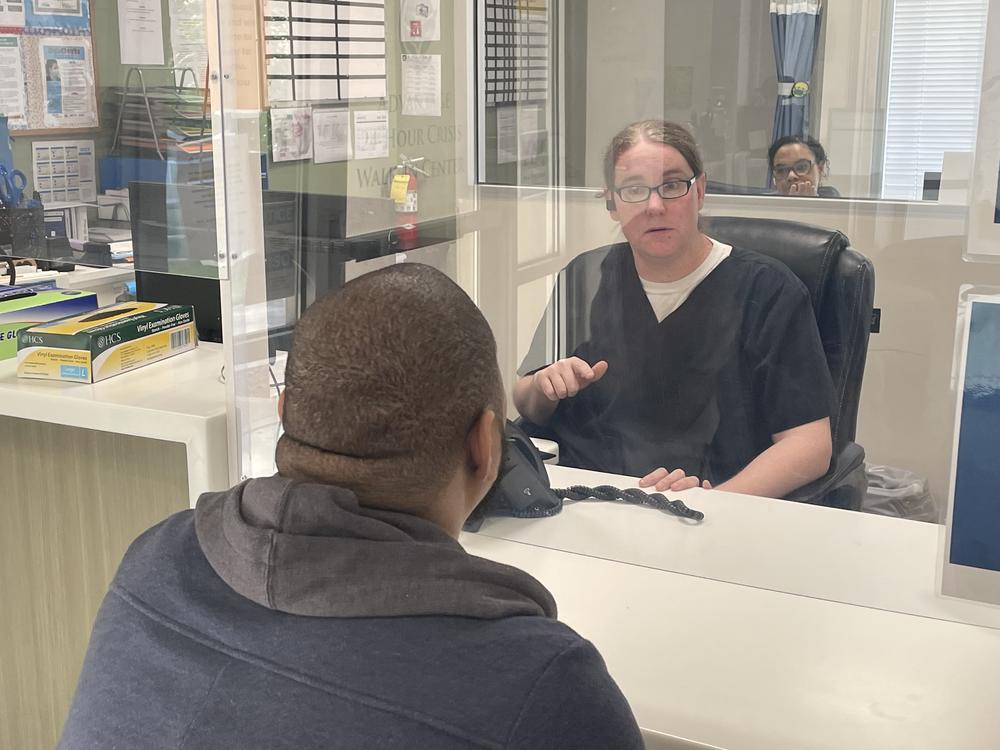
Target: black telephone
x=522, y=488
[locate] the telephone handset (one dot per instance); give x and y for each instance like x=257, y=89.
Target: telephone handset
x=522, y=488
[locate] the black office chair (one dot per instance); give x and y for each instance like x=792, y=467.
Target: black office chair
x=841, y=282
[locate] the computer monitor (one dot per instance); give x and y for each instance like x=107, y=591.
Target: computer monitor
x=174, y=253
x=971, y=566
x=174, y=245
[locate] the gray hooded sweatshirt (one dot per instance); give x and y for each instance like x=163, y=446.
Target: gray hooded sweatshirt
x=282, y=614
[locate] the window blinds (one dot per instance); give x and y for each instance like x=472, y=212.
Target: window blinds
x=516, y=53
x=325, y=49
x=933, y=93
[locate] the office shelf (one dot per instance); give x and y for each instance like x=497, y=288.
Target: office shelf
x=169, y=122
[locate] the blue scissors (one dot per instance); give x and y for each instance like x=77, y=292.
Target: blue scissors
x=12, y=185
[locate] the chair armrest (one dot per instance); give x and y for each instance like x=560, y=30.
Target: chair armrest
x=844, y=486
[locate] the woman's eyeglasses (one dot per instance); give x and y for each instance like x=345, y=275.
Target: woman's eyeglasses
x=801, y=168
x=669, y=190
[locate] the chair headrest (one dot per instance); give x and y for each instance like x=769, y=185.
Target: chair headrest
x=810, y=252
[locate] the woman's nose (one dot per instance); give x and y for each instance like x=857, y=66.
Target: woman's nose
x=655, y=204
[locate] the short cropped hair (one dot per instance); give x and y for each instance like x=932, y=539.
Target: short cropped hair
x=818, y=152
x=384, y=380
x=654, y=131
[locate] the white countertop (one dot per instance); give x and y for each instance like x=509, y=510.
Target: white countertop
x=81, y=275
x=180, y=399
x=107, y=283
x=771, y=624
x=825, y=553
x=745, y=668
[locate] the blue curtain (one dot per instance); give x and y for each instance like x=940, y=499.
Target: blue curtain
x=794, y=30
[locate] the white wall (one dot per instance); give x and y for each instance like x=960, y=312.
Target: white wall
x=849, y=116
x=639, y=53
x=616, y=43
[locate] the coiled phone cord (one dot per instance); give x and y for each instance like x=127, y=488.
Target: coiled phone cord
x=633, y=496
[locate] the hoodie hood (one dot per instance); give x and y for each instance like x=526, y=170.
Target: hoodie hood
x=311, y=549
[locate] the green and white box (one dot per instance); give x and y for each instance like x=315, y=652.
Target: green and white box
x=24, y=312
x=92, y=347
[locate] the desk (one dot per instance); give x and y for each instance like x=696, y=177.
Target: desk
x=179, y=400
x=85, y=469
x=771, y=625
x=743, y=668
x=826, y=553
x=107, y=283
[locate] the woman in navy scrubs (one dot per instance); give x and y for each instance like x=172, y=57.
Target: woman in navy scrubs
x=683, y=360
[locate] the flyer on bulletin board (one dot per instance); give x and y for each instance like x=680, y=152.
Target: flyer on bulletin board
x=12, y=101
x=12, y=14
x=68, y=82
x=68, y=16
x=64, y=171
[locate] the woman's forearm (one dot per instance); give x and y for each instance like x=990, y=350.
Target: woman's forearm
x=797, y=457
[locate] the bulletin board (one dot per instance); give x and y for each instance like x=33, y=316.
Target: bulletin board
x=47, y=73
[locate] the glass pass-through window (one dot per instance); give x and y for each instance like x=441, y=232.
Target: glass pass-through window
x=249, y=173
x=699, y=293
x=877, y=111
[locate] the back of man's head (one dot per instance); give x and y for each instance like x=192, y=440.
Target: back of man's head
x=384, y=380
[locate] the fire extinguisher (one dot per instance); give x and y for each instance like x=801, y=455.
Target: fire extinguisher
x=403, y=191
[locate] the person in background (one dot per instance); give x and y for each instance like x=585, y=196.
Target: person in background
x=683, y=360
x=331, y=605
x=799, y=165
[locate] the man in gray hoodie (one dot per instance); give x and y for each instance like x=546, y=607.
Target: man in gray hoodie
x=330, y=606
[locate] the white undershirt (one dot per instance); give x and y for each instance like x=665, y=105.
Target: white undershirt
x=665, y=297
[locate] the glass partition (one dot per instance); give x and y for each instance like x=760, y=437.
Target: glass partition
x=360, y=114
x=107, y=179
x=880, y=86
x=797, y=238
x=497, y=116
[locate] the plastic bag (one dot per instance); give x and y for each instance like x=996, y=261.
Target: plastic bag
x=900, y=493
